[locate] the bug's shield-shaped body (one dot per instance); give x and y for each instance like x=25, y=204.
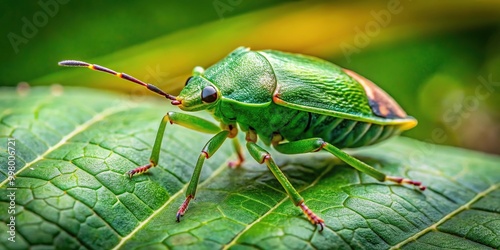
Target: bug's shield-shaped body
x=300, y=97
x=298, y=104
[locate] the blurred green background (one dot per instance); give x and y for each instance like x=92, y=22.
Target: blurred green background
x=439, y=60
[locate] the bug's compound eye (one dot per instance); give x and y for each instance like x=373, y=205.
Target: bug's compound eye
x=187, y=81
x=209, y=94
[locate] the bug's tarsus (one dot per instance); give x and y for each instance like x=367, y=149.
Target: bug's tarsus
x=151, y=87
x=234, y=164
x=313, y=218
x=401, y=180
x=139, y=170
x=183, y=208
x=237, y=163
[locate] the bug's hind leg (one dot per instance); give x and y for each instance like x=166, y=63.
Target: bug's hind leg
x=316, y=144
x=262, y=156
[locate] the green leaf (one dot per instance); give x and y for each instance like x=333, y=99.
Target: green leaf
x=73, y=150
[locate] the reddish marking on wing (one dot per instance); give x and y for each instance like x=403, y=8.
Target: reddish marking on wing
x=383, y=110
x=381, y=103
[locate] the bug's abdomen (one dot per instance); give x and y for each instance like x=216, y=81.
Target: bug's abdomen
x=342, y=133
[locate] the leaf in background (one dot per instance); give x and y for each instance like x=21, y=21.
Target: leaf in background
x=74, y=148
x=318, y=28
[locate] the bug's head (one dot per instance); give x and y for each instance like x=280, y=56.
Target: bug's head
x=198, y=94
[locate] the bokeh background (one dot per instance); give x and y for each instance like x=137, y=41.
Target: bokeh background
x=439, y=59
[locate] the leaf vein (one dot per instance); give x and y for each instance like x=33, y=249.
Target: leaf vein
x=86, y=205
x=59, y=226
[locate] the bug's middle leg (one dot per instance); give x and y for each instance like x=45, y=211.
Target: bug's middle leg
x=233, y=131
x=262, y=156
x=316, y=144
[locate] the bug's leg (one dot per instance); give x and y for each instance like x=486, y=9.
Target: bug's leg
x=262, y=156
x=185, y=120
x=207, y=151
x=239, y=152
x=233, y=132
x=316, y=144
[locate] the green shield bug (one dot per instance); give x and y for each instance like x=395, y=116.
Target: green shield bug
x=295, y=103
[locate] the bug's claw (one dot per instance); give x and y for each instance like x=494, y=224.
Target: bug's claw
x=401, y=180
x=313, y=218
x=130, y=173
x=322, y=226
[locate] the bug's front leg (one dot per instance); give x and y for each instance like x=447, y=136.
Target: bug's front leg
x=185, y=120
x=262, y=156
x=207, y=151
x=316, y=144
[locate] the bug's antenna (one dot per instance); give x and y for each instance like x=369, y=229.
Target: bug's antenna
x=72, y=63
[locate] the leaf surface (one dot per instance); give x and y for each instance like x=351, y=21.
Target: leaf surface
x=73, y=150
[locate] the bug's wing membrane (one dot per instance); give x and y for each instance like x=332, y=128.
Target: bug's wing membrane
x=381, y=103
x=326, y=89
